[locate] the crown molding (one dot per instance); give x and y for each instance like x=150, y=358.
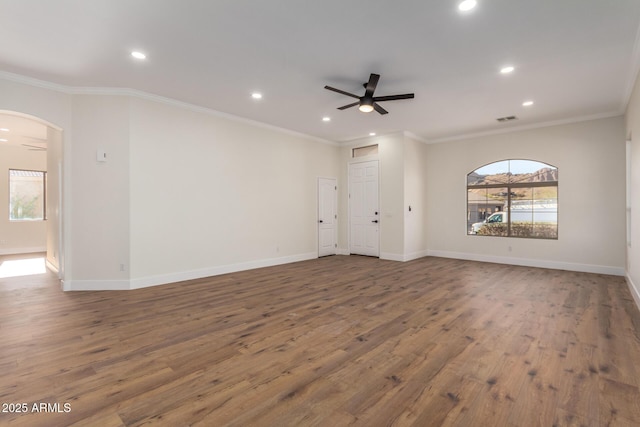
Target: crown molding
x=527, y=127
x=634, y=69
x=134, y=93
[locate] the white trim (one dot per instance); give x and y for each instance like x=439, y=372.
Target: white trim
x=350, y=162
x=416, y=137
x=95, y=285
x=19, y=251
x=134, y=93
x=367, y=140
x=403, y=257
x=635, y=291
x=335, y=205
x=343, y=251
x=391, y=257
x=527, y=127
x=415, y=255
x=51, y=266
x=17, y=78
x=144, y=282
x=527, y=262
x=633, y=72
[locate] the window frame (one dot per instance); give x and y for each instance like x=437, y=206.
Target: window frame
x=369, y=150
x=44, y=195
x=509, y=187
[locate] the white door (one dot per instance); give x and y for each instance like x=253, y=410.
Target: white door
x=327, y=216
x=364, y=212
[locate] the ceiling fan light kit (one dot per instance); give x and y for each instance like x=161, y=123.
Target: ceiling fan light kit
x=366, y=106
x=367, y=103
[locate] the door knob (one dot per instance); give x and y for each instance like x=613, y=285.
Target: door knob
x=375, y=220
x=320, y=221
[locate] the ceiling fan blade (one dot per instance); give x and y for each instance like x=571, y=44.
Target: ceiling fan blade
x=342, y=92
x=379, y=109
x=35, y=147
x=393, y=97
x=37, y=140
x=344, y=107
x=371, y=85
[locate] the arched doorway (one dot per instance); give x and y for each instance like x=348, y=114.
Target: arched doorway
x=31, y=220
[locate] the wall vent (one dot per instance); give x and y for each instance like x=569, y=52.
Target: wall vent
x=506, y=119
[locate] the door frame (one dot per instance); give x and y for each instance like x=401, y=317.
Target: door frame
x=54, y=143
x=363, y=159
x=335, y=204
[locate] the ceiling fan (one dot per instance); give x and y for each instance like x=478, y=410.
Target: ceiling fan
x=368, y=102
x=34, y=147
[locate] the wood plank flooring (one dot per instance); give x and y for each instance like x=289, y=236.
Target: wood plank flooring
x=337, y=341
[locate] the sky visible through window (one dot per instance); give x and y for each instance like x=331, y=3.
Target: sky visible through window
x=513, y=166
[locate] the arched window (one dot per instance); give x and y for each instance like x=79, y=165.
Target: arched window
x=513, y=198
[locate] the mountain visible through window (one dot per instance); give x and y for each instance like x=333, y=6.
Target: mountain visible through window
x=513, y=198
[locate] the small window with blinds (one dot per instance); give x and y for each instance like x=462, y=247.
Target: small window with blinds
x=369, y=150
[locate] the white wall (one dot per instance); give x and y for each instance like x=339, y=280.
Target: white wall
x=210, y=195
x=415, y=195
x=100, y=205
x=54, y=199
x=19, y=236
x=632, y=124
x=47, y=103
x=591, y=220
x=391, y=154
x=254, y=198
x=402, y=178
x=124, y=222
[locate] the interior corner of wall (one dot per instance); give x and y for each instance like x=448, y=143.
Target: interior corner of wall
x=634, y=289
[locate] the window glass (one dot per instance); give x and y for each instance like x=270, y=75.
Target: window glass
x=369, y=150
x=525, y=192
x=26, y=195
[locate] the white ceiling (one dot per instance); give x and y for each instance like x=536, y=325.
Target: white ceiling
x=573, y=58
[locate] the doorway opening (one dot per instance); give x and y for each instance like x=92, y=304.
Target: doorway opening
x=30, y=195
x=364, y=209
x=327, y=216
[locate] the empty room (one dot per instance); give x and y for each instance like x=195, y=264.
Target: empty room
x=329, y=213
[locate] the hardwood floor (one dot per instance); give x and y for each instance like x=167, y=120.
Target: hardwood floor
x=336, y=341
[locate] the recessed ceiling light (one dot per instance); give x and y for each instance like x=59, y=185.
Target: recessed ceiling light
x=326, y=119
x=4, y=140
x=138, y=55
x=256, y=95
x=527, y=103
x=372, y=134
x=467, y=5
x=508, y=69
x=4, y=129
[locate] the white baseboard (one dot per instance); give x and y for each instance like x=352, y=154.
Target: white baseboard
x=415, y=255
x=635, y=291
x=556, y=265
x=403, y=257
x=391, y=257
x=18, y=251
x=144, y=282
x=342, y=251
x=51, y=266
x=95, y=285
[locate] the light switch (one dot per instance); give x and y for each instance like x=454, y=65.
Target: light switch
x=101, y=156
